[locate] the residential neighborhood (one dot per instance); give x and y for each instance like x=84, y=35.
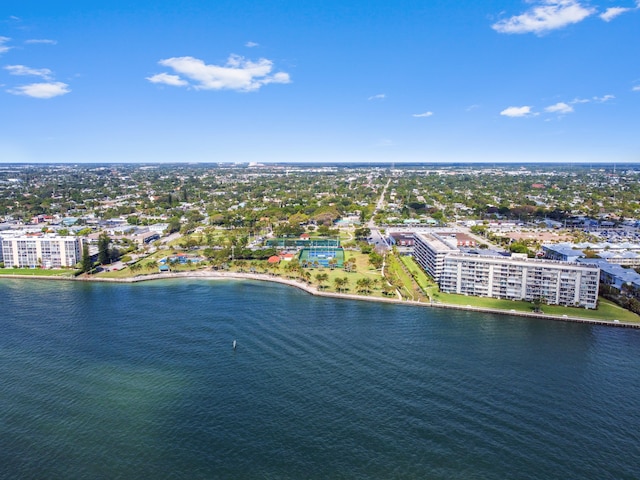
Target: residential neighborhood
x=458, y=224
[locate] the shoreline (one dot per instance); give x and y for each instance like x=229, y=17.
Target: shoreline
x=312, y=290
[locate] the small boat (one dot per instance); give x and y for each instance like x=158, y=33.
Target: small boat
x=234, y=344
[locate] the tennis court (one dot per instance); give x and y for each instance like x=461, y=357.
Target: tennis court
x=321, y=254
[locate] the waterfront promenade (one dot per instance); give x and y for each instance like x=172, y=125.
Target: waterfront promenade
x=313, y=290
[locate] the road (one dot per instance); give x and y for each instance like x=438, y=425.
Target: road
x=377, y=238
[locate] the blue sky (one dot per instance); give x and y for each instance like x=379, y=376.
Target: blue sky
x=284, y=80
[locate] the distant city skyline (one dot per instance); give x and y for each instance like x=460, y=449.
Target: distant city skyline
x=351, y=81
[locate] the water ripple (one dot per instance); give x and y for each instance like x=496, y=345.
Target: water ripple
x=141, y=381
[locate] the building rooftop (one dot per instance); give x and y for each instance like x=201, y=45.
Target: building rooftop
x=627, y=275
x=437, y=243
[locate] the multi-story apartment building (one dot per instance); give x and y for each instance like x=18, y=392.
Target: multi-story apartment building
x=46, y=251
x=430, y=250
x=513, y=277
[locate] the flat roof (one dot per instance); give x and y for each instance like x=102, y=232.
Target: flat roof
x=436, y=242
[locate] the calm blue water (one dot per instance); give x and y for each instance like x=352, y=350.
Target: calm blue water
x=141, y=381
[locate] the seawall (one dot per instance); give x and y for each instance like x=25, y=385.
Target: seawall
x=315, y=291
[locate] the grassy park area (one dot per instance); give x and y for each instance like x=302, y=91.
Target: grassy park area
x=41, y=272
x=358, y=277
x=606, y=309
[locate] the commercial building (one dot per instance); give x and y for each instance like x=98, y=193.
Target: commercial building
x=563, y=252
x=514, y=277
x=402, y=239
x=625, y=254
x=159, y=228
x=28, y=251
x=613, y=274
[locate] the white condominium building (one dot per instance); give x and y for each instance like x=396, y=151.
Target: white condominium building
x=518, y=278
x=513, y=277
x=41, y=251
x=430, y=250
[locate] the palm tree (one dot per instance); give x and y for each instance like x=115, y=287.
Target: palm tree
x=321, y=278
x=364, y=285
x=293, y=267
x=136, y=267
x=350, y=265
x=537, y=303
x=272, y=267
x=151, y=265
x=341, y=284
x=387, y=290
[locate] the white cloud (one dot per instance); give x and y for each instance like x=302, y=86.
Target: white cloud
x=22, y=70
x=636, y=88
x=380, y=96
x=168, y=79
x=44, y=41
x=559, y=107
x=237, y=74
x=422, y=115
x=524, y=111
x=251, y=44
x=550, y=15
x=41, y=90
x=3, y=47
x=604, y=98
x=579, y=100
x=612, y=12
x=473, y=107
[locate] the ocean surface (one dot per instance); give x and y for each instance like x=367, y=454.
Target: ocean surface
x=137, y=381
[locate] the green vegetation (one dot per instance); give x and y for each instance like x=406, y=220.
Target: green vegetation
x=226, y=213
x=360, y=277
x=37, y=272
x=400, y=277
x=530, y=193
x=425, y=282
x=87, y=264
x=607, y=311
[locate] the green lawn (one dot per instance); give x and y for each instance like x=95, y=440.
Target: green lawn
x=363, y=270
x=425, y=282
x=410, y=288
x=606, y=309
x=37, y=272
